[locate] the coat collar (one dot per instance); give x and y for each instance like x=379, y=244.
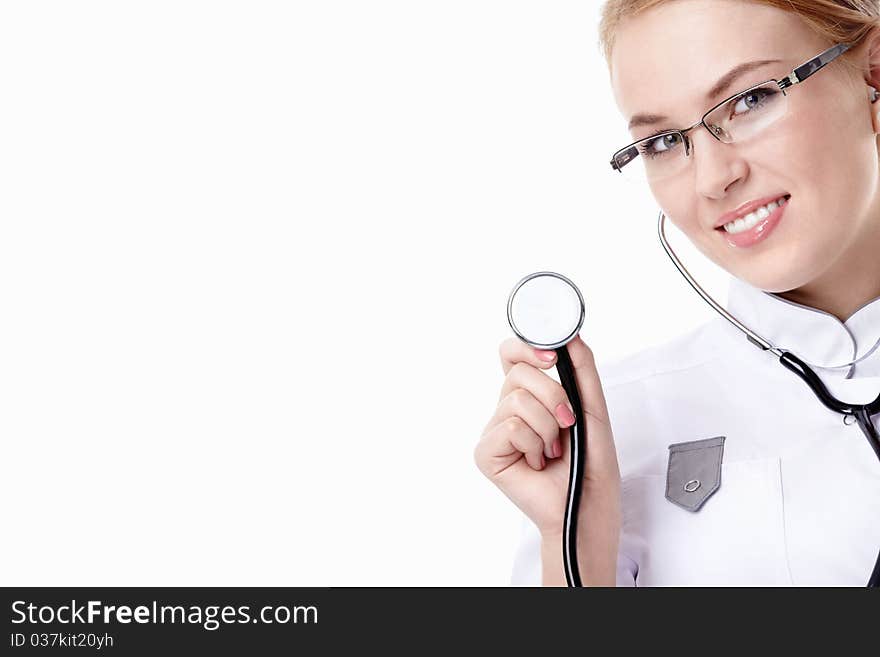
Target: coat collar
x=812, y=335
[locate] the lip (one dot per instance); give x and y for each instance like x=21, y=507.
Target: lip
x=746, y=208
x=757, y=233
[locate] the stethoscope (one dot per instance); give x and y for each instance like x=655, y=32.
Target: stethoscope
x=546, y=311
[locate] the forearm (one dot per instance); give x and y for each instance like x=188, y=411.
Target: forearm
x=552, y=570
x=595, y=569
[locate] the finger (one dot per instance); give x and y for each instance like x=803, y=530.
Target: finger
x=545, y=389
x=513, y=350
x=506, y=442
x=522, y=403
x=601, y=463
x=587, y=376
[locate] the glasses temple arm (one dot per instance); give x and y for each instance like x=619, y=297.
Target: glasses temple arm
x=806, y=69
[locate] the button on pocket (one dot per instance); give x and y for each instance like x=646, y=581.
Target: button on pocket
x=694, y=472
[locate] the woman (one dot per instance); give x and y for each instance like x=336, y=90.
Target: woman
x=707, y=462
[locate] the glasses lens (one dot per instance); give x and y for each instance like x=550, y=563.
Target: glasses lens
x=654, y=158
x=748, y=113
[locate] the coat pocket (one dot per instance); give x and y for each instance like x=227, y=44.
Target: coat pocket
x=694, y=472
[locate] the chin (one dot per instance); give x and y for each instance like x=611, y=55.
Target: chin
x=787, y=266
x=777, y=279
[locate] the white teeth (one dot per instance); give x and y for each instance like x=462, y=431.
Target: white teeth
x=750, y=220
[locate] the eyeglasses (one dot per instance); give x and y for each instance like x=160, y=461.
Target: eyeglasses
x=737, y=118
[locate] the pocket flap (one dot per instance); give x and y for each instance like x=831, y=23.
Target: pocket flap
x=694, y=472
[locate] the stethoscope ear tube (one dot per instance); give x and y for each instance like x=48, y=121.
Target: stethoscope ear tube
x=577, y=453
x=800, y=368
x=861, y=412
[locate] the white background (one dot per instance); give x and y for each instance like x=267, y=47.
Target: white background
x=254, y=264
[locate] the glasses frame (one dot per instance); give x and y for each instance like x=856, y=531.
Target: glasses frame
x=797, y=75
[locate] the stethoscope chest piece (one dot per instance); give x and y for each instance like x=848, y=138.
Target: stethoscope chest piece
x=545, y=310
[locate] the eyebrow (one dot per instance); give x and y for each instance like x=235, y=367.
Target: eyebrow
x=722, y=85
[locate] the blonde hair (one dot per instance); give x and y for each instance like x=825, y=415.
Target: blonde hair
x=838, y=21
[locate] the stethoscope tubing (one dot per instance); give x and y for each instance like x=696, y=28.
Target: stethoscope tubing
x=577, y=454
x=861, y=412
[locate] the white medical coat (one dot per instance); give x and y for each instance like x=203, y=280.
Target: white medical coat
x=799, y=495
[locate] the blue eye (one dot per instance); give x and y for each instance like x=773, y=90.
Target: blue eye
x=752, y=100
x=659, y=145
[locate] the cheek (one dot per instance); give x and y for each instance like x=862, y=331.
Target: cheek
x=678, y=202
x=829, y=161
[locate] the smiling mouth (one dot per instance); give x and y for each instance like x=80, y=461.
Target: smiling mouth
x=752, y=219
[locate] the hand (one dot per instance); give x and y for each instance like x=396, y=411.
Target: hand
x=524, y=449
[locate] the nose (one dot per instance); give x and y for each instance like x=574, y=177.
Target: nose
x=717, y=166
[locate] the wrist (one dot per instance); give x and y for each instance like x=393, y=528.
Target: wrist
x=597, y=564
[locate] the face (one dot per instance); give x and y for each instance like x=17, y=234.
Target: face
x=823, y=152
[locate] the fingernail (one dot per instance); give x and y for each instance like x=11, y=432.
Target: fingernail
x=546, y=356
x=557, y=448
x=543, y=461
x=563, y=412
x=548, y=451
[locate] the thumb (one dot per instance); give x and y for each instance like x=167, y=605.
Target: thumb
x=587, y=377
